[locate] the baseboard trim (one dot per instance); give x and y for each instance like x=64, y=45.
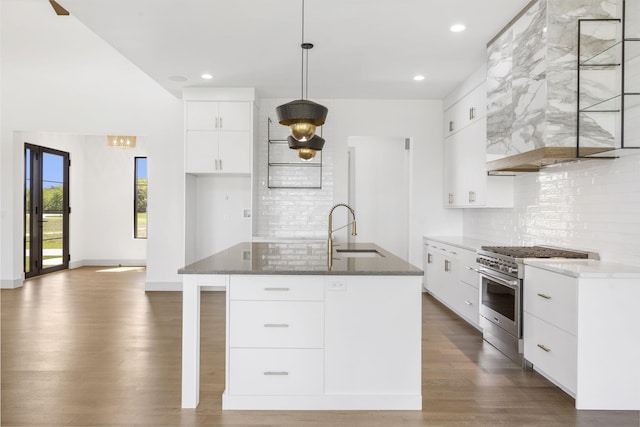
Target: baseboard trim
x=108, y=263
x=11, y=284
x=163, y=286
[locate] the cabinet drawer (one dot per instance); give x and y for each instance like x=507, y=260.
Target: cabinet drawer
x=275, y=371
x=551, y=297
x=467, y=264
x=466, y=302
x=272, y=324
x=551, y=350
x=277, y=288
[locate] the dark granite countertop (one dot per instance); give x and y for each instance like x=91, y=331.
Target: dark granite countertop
x=299, y=258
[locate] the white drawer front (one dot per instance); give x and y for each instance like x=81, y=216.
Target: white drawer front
x=551, y=297
x=276, y=324
x=276, y=372
x=467, y=264
x=551, y=350
x=466, y=304
x=277, y=288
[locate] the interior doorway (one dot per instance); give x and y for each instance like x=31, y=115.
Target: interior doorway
x=379, y=179
x=46, y=210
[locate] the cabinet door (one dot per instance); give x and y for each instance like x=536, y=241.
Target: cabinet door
x=235, y=116
x=202, y=115
x=551, y=350
x=234, y=152
x=202, y=152
x=472, y=175
x=451, y=171
x=467, y=300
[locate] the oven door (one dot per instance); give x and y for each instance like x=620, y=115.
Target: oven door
x=500, y=300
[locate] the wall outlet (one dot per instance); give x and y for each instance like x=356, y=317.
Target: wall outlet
x=338, y=285
x=246, y=213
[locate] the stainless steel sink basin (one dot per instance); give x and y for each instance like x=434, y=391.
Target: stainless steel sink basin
x=359, y=253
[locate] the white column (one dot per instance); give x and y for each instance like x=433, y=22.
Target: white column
x=190, y=341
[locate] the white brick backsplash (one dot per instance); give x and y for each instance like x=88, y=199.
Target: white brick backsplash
x=281, y=213
x=592, y=205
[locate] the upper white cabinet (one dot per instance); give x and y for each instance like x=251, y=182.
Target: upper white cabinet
x=466, y=183
x=469, y=109
x=218, y=137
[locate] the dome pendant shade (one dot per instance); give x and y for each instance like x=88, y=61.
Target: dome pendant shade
x=302, y=116
x=306, y=149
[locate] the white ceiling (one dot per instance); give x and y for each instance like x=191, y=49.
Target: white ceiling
x=363, y=48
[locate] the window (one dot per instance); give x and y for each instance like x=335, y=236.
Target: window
x=140, y=199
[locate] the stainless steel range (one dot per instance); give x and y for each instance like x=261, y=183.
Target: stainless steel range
x=502, y=277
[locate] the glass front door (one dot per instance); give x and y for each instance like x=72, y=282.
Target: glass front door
x=46, y=208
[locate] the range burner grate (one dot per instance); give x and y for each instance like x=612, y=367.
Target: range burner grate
x=534, y=252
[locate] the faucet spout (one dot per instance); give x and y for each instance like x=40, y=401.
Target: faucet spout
x=331, y=230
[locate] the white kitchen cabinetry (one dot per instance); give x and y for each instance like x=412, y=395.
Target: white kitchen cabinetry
x=276, y=336
x=323, y=342
x=219, y=134
x=466, y=183
x=550, y=326
x=581, y=328
x=218, y=137
x=450, y=277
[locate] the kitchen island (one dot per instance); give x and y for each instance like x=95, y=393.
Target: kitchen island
x=305, y=335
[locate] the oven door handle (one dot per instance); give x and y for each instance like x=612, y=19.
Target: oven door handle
x=513, y=284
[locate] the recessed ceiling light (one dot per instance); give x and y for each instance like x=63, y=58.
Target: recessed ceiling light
x=418, y=78
x=178, y=79
x=457, y=28
x=207, y=76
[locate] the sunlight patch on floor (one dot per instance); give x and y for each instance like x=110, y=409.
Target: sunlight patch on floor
x=119, y=269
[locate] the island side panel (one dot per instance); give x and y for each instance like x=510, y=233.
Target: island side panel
x=190, y=341
x=373, y=342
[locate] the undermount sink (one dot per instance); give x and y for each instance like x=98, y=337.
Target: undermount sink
x=359, y=253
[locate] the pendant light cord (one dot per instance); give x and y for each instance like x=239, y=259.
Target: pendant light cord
x=302, y=73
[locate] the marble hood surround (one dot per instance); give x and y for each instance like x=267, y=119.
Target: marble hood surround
x=531, y=85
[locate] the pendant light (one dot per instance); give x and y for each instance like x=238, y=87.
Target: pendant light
x=303, y=116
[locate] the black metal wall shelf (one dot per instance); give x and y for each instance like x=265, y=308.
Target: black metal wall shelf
x=285, y=169
x=604, y=92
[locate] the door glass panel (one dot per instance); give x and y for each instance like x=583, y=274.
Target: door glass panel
x=52, y=209
x=27, y=210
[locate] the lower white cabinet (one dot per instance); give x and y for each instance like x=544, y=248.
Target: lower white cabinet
x=450, y=277
x=323, y=342
x=552, y=351
x=581, y=333
x=257, y=371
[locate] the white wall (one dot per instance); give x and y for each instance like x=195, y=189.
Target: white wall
x=592, y=205
x=419, y=120
x=57, y=76
x=422, y=122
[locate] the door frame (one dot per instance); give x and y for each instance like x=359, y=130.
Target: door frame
x=36, y=267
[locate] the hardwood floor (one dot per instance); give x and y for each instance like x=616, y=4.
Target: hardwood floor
x=88, y=347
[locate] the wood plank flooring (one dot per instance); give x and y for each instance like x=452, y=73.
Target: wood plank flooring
x=88, y=347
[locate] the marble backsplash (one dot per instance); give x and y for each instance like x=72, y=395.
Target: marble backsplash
x=532, y=78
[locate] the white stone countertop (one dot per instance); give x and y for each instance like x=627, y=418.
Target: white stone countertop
x=462, y=242
x=586, y=268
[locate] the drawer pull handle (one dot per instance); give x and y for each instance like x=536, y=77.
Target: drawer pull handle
x=276, y=289
x=468, y=302
x=544, y=296
x=276, y=325
x=276, y=373
x=544, y=348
